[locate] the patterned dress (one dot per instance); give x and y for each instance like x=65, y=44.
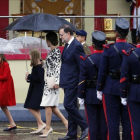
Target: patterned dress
x=51, y=96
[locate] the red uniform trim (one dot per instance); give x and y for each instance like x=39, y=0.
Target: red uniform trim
x=138, y=46
x=132, y=132
x=104, y=106
x=120, y=40
x=122, y=80
x=85, y=57
x=133, y=44
x=98, y=51
x=87, y=122
x=82, y=58
x=106, y=46
x=126, y=52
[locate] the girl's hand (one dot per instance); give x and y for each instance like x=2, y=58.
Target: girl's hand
x=27, y=73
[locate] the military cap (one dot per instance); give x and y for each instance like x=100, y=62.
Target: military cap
x=98, y=38
x=81, y=33
x=122, y=26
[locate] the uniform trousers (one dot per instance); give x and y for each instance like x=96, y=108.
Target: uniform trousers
x=114, y=111
x=134, y=112
x=96, y=122
x=74, y=117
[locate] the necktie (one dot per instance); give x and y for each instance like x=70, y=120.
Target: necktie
x=65, y=49
x=66, y=45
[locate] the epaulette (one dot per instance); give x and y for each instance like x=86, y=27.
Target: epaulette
x=128, y=51
x=107, y=46
x=84, y=58
x=133, y=45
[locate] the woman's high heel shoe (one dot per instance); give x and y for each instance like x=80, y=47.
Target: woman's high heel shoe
x=39, y=130
x=49, y=131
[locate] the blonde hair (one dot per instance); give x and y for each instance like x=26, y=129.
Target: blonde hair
x=35, y=56
x=3, y=58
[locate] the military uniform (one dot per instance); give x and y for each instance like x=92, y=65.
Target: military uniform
x=89, y=67
x=108, y=83
x=83, y=33
x=130, y=88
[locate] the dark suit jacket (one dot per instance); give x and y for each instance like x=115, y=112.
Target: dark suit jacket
x=86, y=49
x=69, y=72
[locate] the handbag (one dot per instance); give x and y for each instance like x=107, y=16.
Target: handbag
x=50, y=81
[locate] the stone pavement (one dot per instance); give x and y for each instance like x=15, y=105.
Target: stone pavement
x=24, y=129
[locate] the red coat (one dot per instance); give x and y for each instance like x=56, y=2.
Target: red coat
x=7, y=92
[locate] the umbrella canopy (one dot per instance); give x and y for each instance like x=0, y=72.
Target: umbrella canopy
x=25, y=43
x=4, y=49
x=3, y=42
x=39, y=22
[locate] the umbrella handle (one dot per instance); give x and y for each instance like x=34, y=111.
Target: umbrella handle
x=26, y=63
x=26, y=53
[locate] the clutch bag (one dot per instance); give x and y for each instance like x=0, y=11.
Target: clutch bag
x=50, y=81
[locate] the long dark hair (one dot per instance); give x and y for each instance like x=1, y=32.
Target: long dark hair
x=52, y=37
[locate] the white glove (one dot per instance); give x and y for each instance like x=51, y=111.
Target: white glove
x=81, y=101
x=124, y=101
x=99, y=95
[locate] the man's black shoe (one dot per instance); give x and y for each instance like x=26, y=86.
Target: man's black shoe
x=67, y=138
x=84, y=134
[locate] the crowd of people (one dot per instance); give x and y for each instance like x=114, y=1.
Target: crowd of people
x=106, y=82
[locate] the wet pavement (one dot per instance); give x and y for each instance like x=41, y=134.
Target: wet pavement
x=24, y=129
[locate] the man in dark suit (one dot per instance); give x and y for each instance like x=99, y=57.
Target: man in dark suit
x=69, y=77
x=81, y=37
x=89, y=68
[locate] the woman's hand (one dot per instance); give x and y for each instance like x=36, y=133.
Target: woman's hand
x=56, y=86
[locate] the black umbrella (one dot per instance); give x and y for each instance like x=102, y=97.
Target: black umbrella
x=39, y=22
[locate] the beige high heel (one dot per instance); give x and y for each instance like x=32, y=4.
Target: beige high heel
x=49, y=131
x=33, y=132
x=39, y=130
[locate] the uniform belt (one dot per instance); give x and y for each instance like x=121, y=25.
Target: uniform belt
x=135, y=79
x=91, y=83
x=114, y=74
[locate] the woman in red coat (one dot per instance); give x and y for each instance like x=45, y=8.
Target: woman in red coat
x=7, y=92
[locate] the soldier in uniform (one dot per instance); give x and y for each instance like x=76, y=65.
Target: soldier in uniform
x=89, y=67
x=130, y=75
x=108, y=83
x=81, y=37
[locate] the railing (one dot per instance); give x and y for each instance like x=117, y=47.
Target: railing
x=101, y=16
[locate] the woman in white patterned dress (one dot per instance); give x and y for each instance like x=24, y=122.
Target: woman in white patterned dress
x=50, y=99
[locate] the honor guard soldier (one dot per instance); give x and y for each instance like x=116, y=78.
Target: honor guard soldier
x=81, y=37
x=89, y=68
x=108, y=83
x=130, y=75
